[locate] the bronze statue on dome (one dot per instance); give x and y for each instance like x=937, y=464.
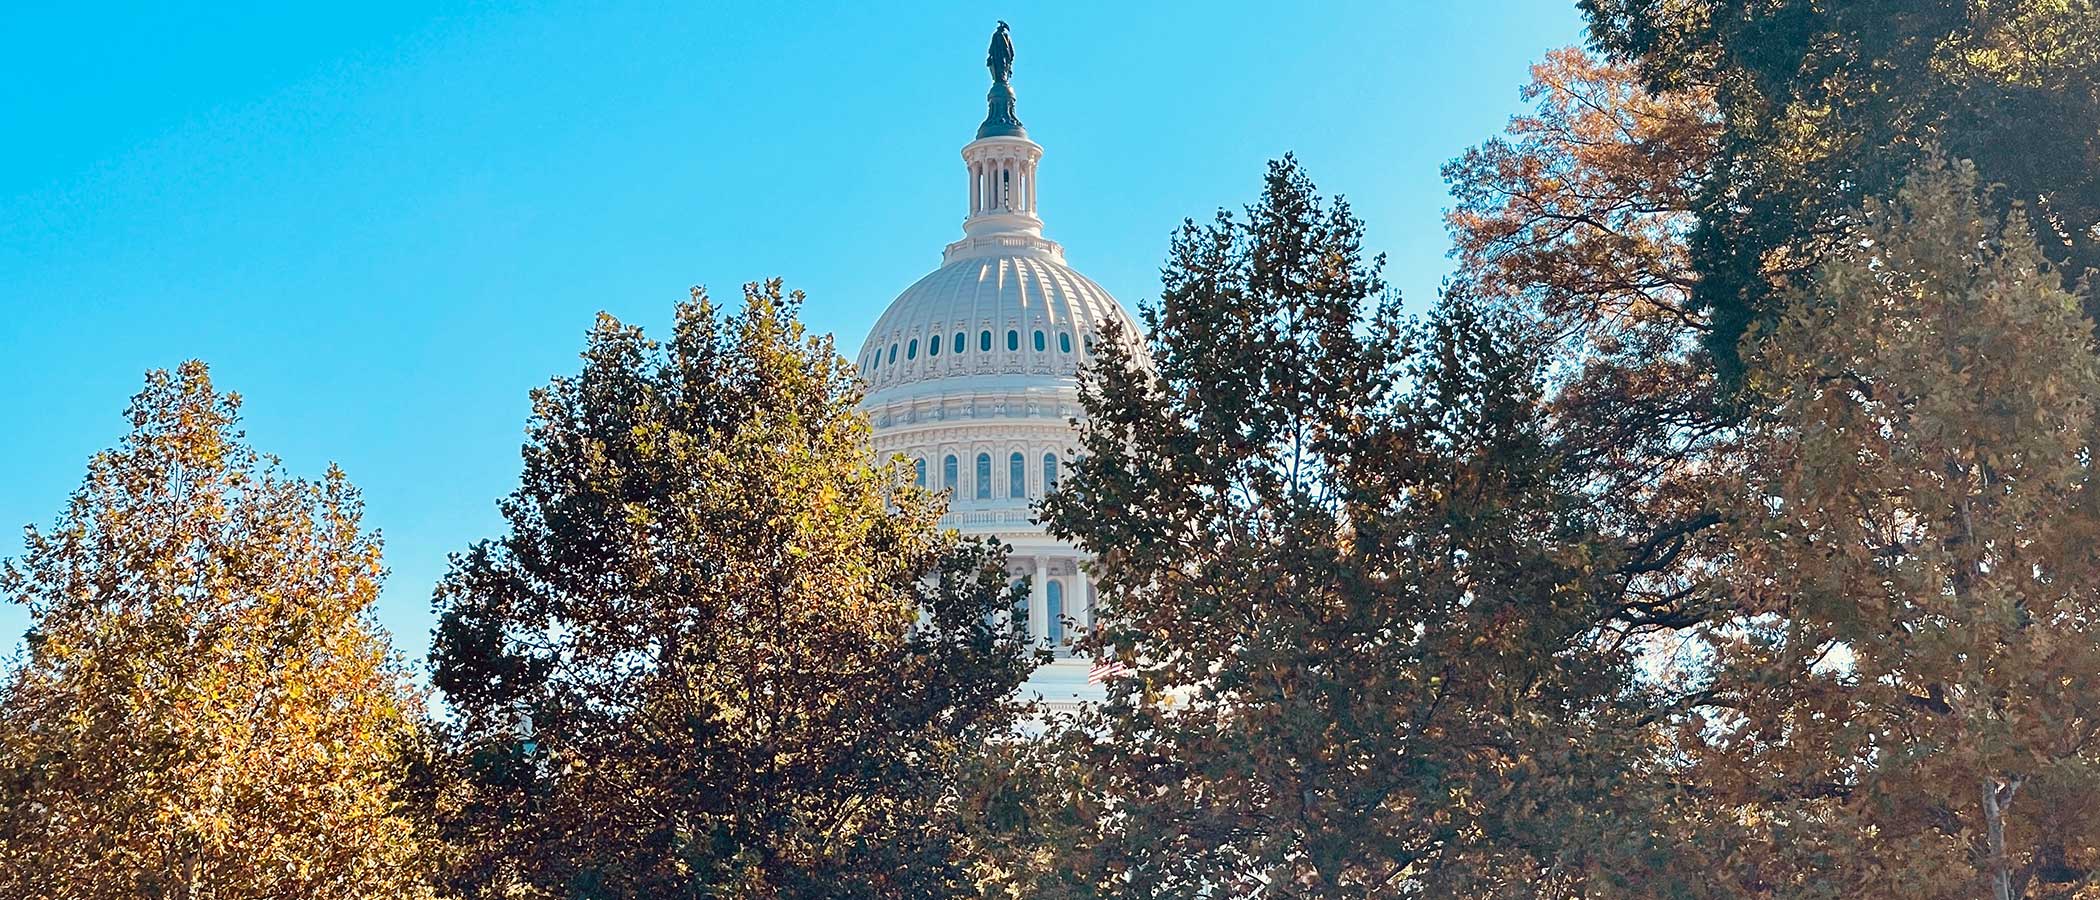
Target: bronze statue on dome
x=1000, y=58
x=999, y=119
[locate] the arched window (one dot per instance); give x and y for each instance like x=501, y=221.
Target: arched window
x=1013, y=340
x=984, y=476
x=1055, y=628
x=948, y=474
x=920, y=465
x=912, y=351
x=1064, y=342
x=1038, y=342
x=984, y=341
x=1016, y=476
x=893, y=353
x=1049, y=471
x=933, y=347
x=1020, y=610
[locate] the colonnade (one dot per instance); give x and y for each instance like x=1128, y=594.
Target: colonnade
x=1060, y=606
x=1002, y=185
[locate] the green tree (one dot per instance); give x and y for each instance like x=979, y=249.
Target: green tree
x=1826, y=104
x=724, y=651
x=206, y=709
x=1903, y=704
x=1361, y=607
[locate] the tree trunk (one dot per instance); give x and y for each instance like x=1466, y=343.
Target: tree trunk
x=1997, y=797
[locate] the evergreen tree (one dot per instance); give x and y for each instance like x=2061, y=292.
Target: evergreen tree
x=724, y=651
x=1360, y=605
x=1903, y=703
x=206, y=709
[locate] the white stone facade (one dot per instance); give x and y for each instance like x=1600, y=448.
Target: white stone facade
x=972, y=373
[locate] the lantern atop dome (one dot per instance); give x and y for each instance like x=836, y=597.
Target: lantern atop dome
x=1002, y=164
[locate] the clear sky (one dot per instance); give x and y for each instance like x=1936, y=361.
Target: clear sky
x=383, y=223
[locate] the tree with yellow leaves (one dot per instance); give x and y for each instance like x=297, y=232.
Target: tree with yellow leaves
x=206, y=709
x=725, y=650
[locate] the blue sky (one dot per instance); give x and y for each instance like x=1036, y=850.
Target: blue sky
x=384, y=224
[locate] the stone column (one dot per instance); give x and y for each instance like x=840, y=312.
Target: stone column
x=1086, y=605
x=1039, y=602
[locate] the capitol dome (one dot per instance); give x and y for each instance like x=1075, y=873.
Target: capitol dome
x=1008, y=317
x=973, y=374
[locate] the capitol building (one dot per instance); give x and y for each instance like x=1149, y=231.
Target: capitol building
x=973, y=374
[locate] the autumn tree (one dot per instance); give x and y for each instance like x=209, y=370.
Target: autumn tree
x=1903, y=703
x=206, y=708
x=1825, y=104
x=1359, y=602
x=1575, y=223
x=724, y=650
x=1662, y=204
x=1581, y=209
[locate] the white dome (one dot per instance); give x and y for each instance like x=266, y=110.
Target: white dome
x=973, y=375
x=990, y=321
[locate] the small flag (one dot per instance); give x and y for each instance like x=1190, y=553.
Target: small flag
x=1105, y=669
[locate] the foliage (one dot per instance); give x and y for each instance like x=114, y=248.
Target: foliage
x=1583, y=208
x=206, y=709
x=1903, y=704
x=1826, y=104
x=1360, y=603
x=1695, y=188
x=723, y=651
x=1575, y=223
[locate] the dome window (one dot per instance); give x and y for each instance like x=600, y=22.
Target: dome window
x=1038, y=342
x=984, y=342
x=984, y=476
x=1013, y=340
x=1016, y=476
x=1064, y=342
x=1088, y=342
x=960, y=340
x=912, y=351
x=920, y=466
x=893, y=353
x=933, y=347
x=948, y=474
x=1049, y=471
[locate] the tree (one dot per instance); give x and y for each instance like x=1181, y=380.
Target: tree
x=1575, y=224
x=1826, y=104
x=1581, y=212
x=1903, y=704
x=1361, y=607
x=723, y=650
x=206, y=709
